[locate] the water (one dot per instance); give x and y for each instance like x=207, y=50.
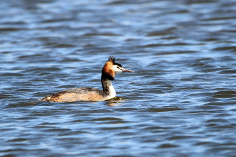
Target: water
x=179, y=102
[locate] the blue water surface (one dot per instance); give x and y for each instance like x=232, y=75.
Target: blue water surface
x=179, y=102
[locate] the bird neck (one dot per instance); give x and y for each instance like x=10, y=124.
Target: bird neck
x=108, y=89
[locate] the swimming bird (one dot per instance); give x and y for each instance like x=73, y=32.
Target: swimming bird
x=110, y=69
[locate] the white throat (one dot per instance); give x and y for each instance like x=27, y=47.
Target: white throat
x=112, y=92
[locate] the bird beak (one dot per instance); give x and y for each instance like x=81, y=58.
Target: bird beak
x=127, y=70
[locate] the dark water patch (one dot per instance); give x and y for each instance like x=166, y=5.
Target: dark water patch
x=19, y=140
x=116, y=2
x=220, y=103
x=128, y=109
x=161, y=32
x=159, y=45
x=12, y=74
x=225, y=94
x=64, y=45
x=228, y=72
x=226, y=48
x=20, y=104
x=10, y=29
x=5, y=96
x=109, y=119
x=167, y=109
x=168, y=145
x=180, y=137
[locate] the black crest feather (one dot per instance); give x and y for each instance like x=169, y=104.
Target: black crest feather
x=113, y=60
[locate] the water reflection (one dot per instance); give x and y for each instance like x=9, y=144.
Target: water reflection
x=117, y=101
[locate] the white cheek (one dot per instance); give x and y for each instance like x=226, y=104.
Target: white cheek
x=116, y=69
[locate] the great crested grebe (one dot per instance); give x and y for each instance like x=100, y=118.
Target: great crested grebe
x=91, y=94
